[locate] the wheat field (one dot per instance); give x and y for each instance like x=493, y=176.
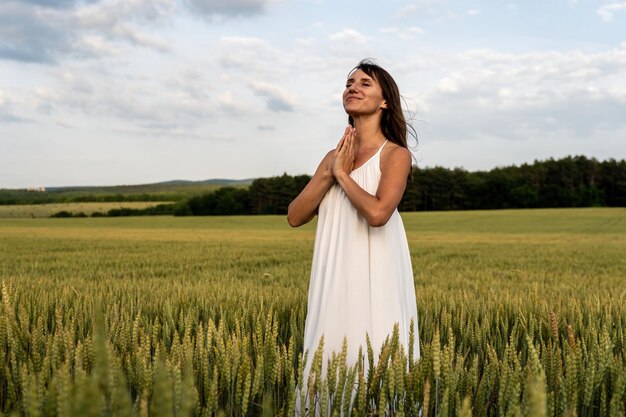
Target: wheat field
x=87, y=208
x=521, y=313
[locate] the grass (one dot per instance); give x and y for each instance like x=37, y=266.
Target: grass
x=46, y=210
x=523, y=309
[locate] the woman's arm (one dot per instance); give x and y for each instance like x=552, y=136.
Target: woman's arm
x=376, y=209
x=303, y=208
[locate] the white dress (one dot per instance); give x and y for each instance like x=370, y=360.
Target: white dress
x=361, y=278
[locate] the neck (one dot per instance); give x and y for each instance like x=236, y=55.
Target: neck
x=368, y=132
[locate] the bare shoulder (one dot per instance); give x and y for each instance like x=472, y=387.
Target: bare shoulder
x=330, y=154
x=326, y=161
x=394, y=155
x=328, y=157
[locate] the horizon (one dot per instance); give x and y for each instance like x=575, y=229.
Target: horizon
x=290, y=174
x=119, y=91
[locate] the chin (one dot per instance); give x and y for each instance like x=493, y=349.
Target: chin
x=350, y=111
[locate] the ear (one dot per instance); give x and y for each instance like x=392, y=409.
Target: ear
x=384, y=105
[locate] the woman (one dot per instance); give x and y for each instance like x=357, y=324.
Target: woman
x=361, y=275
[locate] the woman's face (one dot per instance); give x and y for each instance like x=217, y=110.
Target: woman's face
x=363, y=95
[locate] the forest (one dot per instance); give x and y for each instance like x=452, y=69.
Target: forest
x=568, y=182
x=573, y=181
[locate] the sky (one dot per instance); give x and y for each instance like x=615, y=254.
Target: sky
x=111, y=92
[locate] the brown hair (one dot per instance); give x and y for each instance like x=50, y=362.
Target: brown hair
x=393, y=123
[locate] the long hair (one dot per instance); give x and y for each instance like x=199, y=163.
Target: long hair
x=393, y=123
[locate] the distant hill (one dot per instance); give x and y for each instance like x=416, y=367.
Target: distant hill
x=174, y=190
x=165, y=186
x=217, y=181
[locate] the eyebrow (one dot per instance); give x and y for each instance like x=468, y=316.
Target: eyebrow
x=362, y=78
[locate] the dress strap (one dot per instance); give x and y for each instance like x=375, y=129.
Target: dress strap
x=381, y=147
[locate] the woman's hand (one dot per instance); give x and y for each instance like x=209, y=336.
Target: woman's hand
x=345, y=153
x=395, y=165
x=304, y=207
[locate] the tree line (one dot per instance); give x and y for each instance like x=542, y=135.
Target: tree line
x=13, y=197
x=568, y=182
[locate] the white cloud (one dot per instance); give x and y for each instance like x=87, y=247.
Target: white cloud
x=306, y=42
x=97, y=69
x=415, y=29
x=516, y=95
x=349, y=42
x=96, y=45
x=228, y=8
x=607, y=11
x=165, y=104
x=277, y=98
x=140, y=38
x=246, y=52
x=402, y=33
x=448, y=85
x=350, y=36
x=6, y=111
x=227, y=103
x=109, y=13
x=58, y=4
x=33, y=33
x=117, y=19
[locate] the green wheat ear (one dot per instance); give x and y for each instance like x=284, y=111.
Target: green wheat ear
x=187, y=329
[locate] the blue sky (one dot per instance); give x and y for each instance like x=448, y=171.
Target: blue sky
x=107, y=92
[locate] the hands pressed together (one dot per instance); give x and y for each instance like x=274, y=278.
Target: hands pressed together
x=345, y=153
x=335, y=168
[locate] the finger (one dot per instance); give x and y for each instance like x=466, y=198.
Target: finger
x=352, y=148
x=345, y=134
x=342, y=142
x=339, y=145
